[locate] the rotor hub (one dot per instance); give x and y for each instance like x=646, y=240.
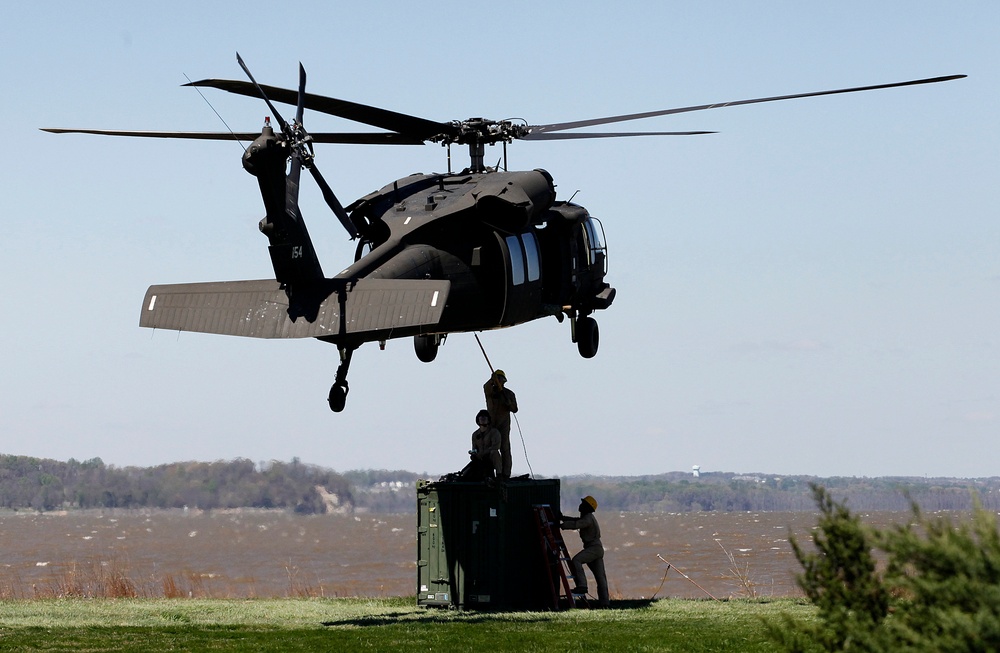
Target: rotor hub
x=475, y=131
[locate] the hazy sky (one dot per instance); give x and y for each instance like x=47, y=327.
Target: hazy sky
x=815, y=289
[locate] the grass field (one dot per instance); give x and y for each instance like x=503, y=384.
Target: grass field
x=382, y=625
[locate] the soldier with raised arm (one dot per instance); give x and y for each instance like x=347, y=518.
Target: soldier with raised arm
x=501, y=402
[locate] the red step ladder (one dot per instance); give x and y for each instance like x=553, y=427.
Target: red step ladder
x=557, y=560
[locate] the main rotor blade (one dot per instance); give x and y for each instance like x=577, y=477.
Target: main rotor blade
x=333, y=202
x=560, y=126
x=371, y=138
x=205, y=136
x=401, y=123
x=559, y=136
x=349, y=138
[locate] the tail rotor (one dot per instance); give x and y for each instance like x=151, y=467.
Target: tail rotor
x=301, y=152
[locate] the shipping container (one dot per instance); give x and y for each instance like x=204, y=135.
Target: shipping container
x=479, y=547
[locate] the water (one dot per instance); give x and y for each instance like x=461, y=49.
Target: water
x=240, y=554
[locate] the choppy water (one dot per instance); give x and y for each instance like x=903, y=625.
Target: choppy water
x=275, y=554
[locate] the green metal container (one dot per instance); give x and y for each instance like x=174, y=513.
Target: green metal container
x=478, y=545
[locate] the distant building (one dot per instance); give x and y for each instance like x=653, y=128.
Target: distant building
x=696, y=470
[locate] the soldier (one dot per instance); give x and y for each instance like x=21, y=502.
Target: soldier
x=486, y=445
x=593, y=551
x=501, y=402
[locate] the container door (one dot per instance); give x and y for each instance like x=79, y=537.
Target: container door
x=433, y=578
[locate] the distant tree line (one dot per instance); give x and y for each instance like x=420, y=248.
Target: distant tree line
x=677, y=492
x=40, y=484
x=394, y=491
x=43, y=485
x=384, y=491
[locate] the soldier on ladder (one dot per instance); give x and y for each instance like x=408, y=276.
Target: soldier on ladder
x=593, y=551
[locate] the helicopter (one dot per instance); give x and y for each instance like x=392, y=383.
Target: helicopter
x=471, y=250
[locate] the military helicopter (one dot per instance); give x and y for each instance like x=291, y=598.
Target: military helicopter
x=478, y=249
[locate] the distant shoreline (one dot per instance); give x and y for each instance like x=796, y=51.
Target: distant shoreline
x=32, y=485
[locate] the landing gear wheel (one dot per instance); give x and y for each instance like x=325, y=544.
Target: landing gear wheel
x=588, y=336
x=338, y=397
x=426, y=347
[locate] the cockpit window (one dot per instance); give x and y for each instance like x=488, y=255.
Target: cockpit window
x=595, y=237
x=596, y=249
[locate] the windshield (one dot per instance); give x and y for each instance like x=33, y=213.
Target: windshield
x=595, y=236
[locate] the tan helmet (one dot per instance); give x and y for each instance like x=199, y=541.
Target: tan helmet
x=499, y=374
x=590, y=501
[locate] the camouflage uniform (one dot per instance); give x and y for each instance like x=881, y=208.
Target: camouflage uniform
x=592, y=554
x=501, y=402
x=486, y=444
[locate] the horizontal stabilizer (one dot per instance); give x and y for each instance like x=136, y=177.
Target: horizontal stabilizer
x=259, y=309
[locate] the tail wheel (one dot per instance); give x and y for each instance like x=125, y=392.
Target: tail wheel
x=338, y=397
x=588, y=336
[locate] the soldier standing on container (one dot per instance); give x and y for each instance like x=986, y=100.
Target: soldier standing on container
x=501, y=402
x=593, y=551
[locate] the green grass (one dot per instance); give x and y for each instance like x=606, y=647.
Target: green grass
x=381, y=625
